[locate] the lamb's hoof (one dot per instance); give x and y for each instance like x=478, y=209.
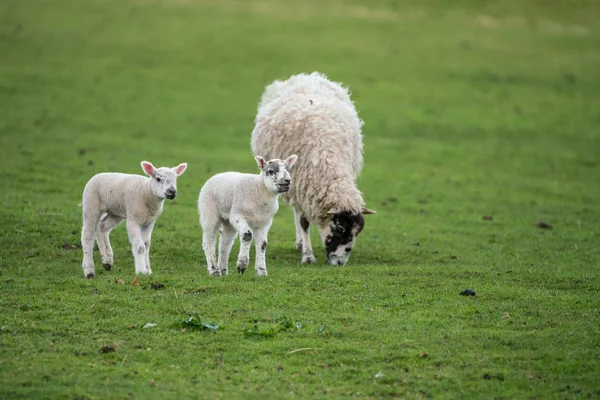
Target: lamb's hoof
x=261, y=272
x=241, y=270
x=90, y=275
x=224, y=272
x=107, y=267
x=309, y=259
x=214, y=272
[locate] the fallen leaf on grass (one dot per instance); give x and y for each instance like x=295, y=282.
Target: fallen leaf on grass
x=149, y=325
x=119, y=281
x=70, y=246
x=423, y=355
x=487, y=218
x=195, y=322
x=544, y=225
x=135, y=282
x=506, y=316
x=111, y=348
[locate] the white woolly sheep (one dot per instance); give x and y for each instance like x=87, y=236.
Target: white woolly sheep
x=314, y=118
x=234, y=203
x=110, y=197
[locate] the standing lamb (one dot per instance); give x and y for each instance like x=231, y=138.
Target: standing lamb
x=314, y=118
x=235, y=203
x=109, y=198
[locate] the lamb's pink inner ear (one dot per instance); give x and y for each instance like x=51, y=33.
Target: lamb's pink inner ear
x=148, y=168
x=260, y=162
x=180, y=169
x=291, y=160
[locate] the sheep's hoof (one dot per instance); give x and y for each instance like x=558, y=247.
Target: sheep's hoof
x=241, y=270
x=309, y=259
x=224, y=272
x=215, y=272
x=107, y=267
x=261, y=272
x=90, y=275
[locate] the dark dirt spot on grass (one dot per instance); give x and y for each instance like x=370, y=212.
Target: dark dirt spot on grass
x=393, y=200
x=10, y=280
x=422, y=201
x=157, y=286
x=70, y=246
x=488, y=218
x=544, y=225
x=91, y=163
x=81, y=151
x=32, y=254
x=111, y=348
x=383, y=203
x=467, y=292
x=95, y=291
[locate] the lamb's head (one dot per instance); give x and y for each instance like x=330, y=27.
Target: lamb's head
x=276, y=173
x=163, y=180
x=339, y=231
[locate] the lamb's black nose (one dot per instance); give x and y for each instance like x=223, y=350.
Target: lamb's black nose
x=287, y=181
x=170, y=194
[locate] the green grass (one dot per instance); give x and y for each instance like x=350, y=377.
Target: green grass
x=471, y=110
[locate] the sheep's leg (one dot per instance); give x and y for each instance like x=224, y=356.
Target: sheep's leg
x=308, y=257
x=88, y=237
x=297, y=215
x=260, y=242
x=209, y=242
x=147, y=238
x=138, y=248
x=105, y=225
x=228, y=234
x=242, y=227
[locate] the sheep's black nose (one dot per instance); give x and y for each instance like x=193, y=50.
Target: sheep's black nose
x=287, y=181
x=170, y=194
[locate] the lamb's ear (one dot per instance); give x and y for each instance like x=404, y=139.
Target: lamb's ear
x=333, y=210
x=291, y=160
x=365, y=210
x=180, y=169
x=260, y=162
x=148, y=168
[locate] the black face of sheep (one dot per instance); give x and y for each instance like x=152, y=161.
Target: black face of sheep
x=343, y=229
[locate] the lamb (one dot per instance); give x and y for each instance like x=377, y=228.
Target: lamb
x=314, y=118
x=109, y=198
x=236, y=203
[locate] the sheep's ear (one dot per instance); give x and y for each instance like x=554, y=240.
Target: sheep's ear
x=148, y=168
x=365, y=210
x=291, y=160
x=180, y=169
x=260, y=162
x=333, y=210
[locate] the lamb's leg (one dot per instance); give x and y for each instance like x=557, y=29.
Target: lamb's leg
x=308, y=257
x=138, y=248
x=88, y=237
x=105, y=225
x=242, y=227
x=228, y=234
x=260, y=242
x=209, y=242
x=147, y=238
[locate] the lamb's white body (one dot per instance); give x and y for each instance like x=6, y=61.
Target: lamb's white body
x=314, y=118
x=110, y=198
x=234, y=203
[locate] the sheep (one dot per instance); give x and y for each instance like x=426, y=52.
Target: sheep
x=234, y=203
x=314, y=118
x=109, y=198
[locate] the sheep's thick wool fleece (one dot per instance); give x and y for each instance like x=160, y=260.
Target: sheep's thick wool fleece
x=313, y=117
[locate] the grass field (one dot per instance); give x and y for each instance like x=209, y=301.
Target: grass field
x=479, y=109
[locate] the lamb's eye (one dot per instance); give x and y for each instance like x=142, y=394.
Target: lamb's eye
x=158, y=179
x=270, y=172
